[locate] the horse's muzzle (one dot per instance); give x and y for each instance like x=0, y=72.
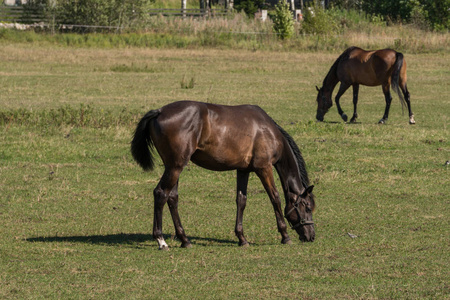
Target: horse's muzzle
x=308, y=239
x=319, y=117
x=307, y=233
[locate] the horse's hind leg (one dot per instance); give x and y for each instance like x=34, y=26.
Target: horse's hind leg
x=173, y=206
x=342, y=89
x=241, y=201
x=388, y=98
x=406, y=95
x=166, y=190
x=355, y=102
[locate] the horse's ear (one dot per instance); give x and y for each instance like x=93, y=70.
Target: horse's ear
x=307, y=191
x=317, y=88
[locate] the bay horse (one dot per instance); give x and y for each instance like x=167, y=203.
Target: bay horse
x=220, y=138
x=356, y=66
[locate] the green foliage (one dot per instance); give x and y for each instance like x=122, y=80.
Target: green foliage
x=392, y=9
x=349, y=19
x=437, y=13
x=319, y=21
x=41, y=8
x=115, y=13
x=421, y=13
x=250, y=7
x=283, y=22
x=347, y=4
x=237, y=31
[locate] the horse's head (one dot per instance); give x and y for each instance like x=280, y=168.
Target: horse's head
x=323, y=103
x=299, y=215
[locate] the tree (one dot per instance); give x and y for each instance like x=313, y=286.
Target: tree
x=435, y=12
x=250, y=7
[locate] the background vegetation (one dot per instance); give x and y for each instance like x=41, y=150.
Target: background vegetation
x=76, y=211
x=424, y=14
x=239, y=32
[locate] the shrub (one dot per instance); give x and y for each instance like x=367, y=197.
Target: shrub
x=419, y=15
x=319, y=21
x=250, y=7
x=283, y=22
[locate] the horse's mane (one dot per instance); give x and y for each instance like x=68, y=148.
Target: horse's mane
x=298, y=156
x=332, y=72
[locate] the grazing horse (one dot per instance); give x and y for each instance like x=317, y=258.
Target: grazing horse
x=220, y=138
x=372, y=68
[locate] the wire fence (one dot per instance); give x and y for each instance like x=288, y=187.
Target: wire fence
x=18, y=14
x=22, y=17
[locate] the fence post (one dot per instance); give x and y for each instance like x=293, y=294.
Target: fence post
x=183, y=8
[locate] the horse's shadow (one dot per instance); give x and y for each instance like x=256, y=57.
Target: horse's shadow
x=342, y=122
x=123, y=239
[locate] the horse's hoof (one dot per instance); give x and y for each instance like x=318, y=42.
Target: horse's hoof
x=344, y=117
x=244, y=245
x=286, y=242
x=382, y=121
x=411, y=120
x=353, y=120
x=164, y=248
x=186, y=245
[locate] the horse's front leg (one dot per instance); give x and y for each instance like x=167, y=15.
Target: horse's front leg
x=241, y=201
x=388, y=98
x=355, y=103
x=342, y=89
x=266, y=177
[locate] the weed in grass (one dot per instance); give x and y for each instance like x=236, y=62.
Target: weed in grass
x=132, y=68
x=185, y=84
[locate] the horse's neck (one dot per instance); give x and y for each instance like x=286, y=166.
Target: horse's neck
x=330, y=81
x=289, y=173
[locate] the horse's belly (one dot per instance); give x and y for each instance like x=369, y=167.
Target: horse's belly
x=366, y=82
x=220, y=161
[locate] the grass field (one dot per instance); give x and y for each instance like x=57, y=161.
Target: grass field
x=76, y=211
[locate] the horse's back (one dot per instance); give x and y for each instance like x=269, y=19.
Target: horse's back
x=216, y=137
x=370, y=68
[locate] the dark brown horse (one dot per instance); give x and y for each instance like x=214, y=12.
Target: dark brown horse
x=372, y=68
x=220, y=138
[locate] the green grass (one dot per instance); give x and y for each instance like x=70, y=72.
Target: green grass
x=76, y=211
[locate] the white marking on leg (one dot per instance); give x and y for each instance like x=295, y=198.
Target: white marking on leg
x=162, y=244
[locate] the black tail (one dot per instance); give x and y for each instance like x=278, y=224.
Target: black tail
x=395, y=78
x=142, y=144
